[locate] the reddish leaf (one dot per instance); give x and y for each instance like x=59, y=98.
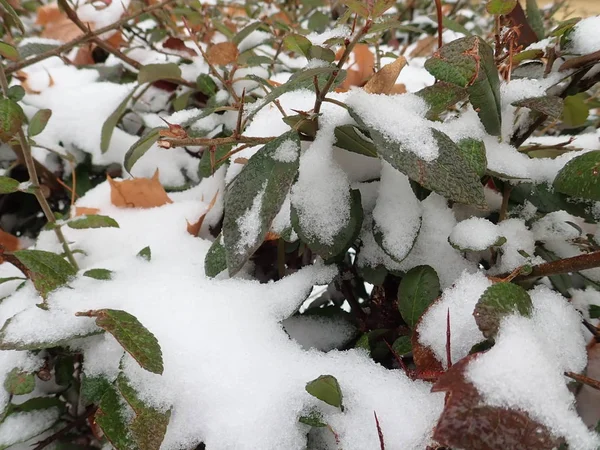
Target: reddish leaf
x=174, y=43
x=517, y=19
x=467, y=422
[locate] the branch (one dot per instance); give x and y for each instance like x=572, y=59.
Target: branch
x=580, y=61
x=89, y=35
x=185, y=142
x=567, y=265
x=77, y=422
x=584, y=380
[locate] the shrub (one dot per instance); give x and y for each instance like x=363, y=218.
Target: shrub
x=391, y=235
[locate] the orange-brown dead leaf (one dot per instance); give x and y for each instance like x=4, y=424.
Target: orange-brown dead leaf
x=194, y=228
x=424, y=47
x=361, y=69
x=85, y=211
x=240, y=160
x=175, y=131
x=383, y=81
x=222, y=54
x=174, y=43
x=56, y=24
x=9, y=242
x=138, y=193
x=270, y=236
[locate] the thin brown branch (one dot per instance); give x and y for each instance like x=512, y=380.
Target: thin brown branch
x=440, y=15
x=89, y=35
x=185, y=142
x=566, y=265
x=584, y=380
x=379, y=432
x=580, y=61
x=77, y=422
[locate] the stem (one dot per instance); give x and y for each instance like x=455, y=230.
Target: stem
x=89, y=35
x=33, y=179
x=217, y=141
x=567, y=265
x=438, y=8
x=584, y=380
x=77, y=422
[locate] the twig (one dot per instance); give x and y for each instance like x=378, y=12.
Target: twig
x=566, y=265
x=238, y=127
x=379, y=432
x=185, y=142
x=505, y=197
x=584, y=380
x=77, y=422
x=438, y=7
x=89, y=35
x=580, y=61
x=33, y=179
x=96, y=40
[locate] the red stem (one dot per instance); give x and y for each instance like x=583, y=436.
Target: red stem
x=438, y=7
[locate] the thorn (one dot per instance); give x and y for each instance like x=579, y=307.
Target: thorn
x=379, y=432
x=448, y=351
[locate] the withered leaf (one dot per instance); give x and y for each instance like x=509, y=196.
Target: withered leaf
x=222, y=53
x=138, y=193
x=383, y=81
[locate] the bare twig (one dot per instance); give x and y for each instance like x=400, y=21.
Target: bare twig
x=580, y=61
x=379, y=432
x=584, y=380
x=77, y=422
x=185, y=142
x=566, y=265
x=440, y=15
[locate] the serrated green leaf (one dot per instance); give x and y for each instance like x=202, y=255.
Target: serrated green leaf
x=136, y=339
x=18, y=382
x=215, y=260
x=38, y=122
x=150, y=73
x=498, y=301
x=145, y=253
x=402, y=345
x=111, y=122
x=13, y=15
x=575, y=110
x=345, y=237
x=140, y=147
x=441, y=96
x=580, y=177
x=351, y=138
x=8, y=51
x=11, y=119
x=298, y=44
x=550, y=105
x=535, y=18
x=314, y=419
x=112, y=419
x=98, y=274
x=8, y=185
x=473, y=151
x=255, y=197
x=417, y=290
x=500, y=7
x=206, y=85
x=327, y=389
x=48, y=271
x=92, y=221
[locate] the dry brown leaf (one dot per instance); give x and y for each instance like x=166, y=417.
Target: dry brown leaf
x=383, y=81
x=194, y=228
x=240, y=160
x=424, y=47
x=175, y=131
x=398, y=89
x=9, y=242
x=174, y=43
x=85, y=211
x=270, y=236
x=222, y=54
x=138, y=193
x=361, y=69
x=56, y=24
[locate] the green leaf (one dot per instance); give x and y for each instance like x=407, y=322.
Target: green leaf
x=11, y=119
x=345, y=237
x=550, y=105
x=535, y=18
x=35, y=404
x=498, y=301
x=402, y=345
x=303, y=123
x=149, y=426
x=38, y=122
x=34, y=48
x=8, y=185
x=92, y=221
x=327, y=389
x=206, y=85
x=48, y=271
x=314, y=419
x=140, y=147
x=441, y=96
x=150, y=73
x=64, y=369
x=145, y=253
x=16, y=93
x=580, y=177
x=8, y=51
x=111, y=122
x=500, y=7
x=18, y=382
x=594, y=312
x=450, y=175
x=205, y=168
x=453, y=25
x=13, y=15
x=469, y=63
x=132, y=335
x=321, y=53
x=298, y=44
x=246, y=31
x=318, y=22
x=98, y=274
x=255, y=197
x=418, y=289
x=576, y=110
x=112, y=419
x=93, y=388
x=473, y=151
x=215, y=260
x=527, y=54
x=351, y=138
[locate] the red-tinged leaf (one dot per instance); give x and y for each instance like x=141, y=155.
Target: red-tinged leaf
x=526, y=35
x=174, y=43
x=467, y=422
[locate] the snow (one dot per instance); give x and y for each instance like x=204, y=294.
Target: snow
x=287, y=152
x=584, y=38
x=20, y=427
x=519, y=248
x=381, y=113
x=250, y=223
x=524, y=369
x=474, y=234
x=397, y=214
x=460, y=299
x=9, y=360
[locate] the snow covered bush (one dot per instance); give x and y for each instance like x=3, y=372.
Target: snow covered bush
x=299, y=225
